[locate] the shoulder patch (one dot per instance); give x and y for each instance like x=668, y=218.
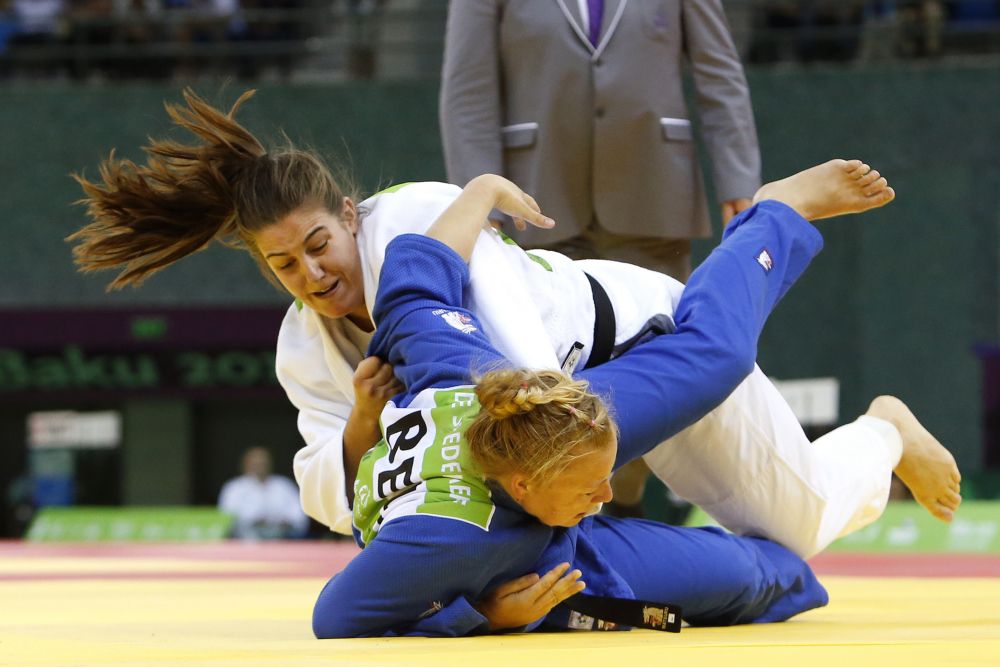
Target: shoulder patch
x=764, y=259
x=458, y=320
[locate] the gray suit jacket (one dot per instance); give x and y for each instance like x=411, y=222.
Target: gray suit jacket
x=598, y=131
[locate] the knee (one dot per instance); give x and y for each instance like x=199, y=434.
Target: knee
x=330, y=620
x=328, y=624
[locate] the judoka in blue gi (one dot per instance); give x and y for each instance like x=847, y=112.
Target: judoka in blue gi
x=438, y=537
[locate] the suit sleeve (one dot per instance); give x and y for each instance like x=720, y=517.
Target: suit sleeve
x=723, y=100
x=470, y=104
x=661, y=387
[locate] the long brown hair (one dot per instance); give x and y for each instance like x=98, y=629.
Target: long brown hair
x=225, y=187
x=534, y=422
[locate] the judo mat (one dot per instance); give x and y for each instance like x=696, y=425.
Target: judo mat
x=228, y=604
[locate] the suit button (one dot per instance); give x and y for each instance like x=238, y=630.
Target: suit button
x=598, y=62
x=599, y=112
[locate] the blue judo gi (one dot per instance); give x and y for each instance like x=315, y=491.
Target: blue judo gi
x=437, y=537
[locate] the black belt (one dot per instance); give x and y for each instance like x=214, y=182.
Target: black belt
x=619, y=611
x=604, y=325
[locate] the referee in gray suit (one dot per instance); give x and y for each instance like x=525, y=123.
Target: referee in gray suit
x=581, y=103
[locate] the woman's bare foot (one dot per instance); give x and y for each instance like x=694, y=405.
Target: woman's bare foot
x=833, y=188
x=927, y=468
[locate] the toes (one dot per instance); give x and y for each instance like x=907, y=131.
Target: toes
x=860, y=169
x=876, y=187
x=850, y=166
x=881, y=197
x=942, y=512
x=950, y=500
x=869, y=178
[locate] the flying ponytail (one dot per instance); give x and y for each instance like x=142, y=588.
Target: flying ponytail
x=224, y=187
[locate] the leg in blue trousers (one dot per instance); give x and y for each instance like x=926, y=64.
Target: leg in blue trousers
x=716, y=578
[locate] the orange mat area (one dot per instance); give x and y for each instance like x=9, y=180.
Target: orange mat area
x=235, y=604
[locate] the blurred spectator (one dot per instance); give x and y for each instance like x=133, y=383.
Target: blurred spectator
x=38, y=21
x=808, y=31
x=974, y=26
x=280, y=23
x=20, y=505
x=264, y=506
x=90, y=23
x=363, y=30
x=8, y=26
x=38, y=24
x=200, y=24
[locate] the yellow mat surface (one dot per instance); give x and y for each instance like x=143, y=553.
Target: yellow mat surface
x=234, y=620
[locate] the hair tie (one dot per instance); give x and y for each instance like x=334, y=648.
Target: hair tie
x=524, y=386
x=593, y=424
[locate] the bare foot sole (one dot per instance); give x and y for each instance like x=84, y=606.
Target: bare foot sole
x=837, y=187
x=927, y=468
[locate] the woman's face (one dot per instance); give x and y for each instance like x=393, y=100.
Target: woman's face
x=314, y=254
x=576, y=492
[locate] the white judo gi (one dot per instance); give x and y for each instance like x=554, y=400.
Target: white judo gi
x=747, y=463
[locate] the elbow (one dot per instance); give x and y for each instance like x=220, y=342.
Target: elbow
x=733, y=364
x=739, y=364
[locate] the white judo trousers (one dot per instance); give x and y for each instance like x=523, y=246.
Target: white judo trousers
x=748, y=463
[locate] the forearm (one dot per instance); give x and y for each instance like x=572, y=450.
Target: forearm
x=459, y=226
x=415, y=578
x=361, y=434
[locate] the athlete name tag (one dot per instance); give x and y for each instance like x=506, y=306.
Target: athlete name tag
x=572, y=359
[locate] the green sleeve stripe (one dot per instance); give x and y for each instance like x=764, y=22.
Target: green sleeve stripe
x=545, y=265
x=506, y=239
x=393, y=188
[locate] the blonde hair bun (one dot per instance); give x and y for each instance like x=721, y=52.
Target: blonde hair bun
x=534, y=421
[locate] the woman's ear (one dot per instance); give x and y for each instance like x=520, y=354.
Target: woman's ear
x=519, y=486
x=349, y=215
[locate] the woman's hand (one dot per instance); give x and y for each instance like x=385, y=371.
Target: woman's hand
x=374, y=385
x=459, y=225
x=527, y=599
x=508, y=198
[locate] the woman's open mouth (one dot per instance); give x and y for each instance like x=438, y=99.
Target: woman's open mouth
x=328, y=291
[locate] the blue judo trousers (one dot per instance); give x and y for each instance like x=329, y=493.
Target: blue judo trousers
x=420, y=573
